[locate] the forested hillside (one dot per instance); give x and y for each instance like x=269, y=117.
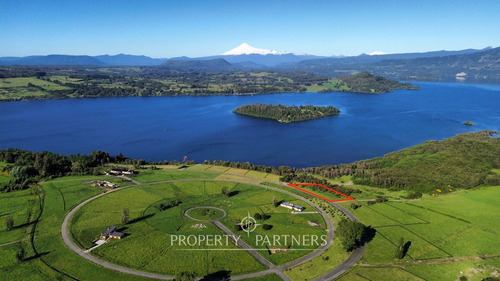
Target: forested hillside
x=463, y=161
x=366, y=82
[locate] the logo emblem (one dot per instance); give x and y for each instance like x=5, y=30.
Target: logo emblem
x=248, y=224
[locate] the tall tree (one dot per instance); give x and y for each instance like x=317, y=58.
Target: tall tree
x=400, y=251
x=225, y=191
x=20, y=254
x=125, y=216
x=9, y=223
x=353, y=234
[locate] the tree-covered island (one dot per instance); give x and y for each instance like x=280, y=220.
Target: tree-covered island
x=286, y=114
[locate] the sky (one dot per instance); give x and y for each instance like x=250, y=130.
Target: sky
x=171, y=28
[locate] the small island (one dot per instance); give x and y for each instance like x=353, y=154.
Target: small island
x=469, y=123
x=365, y=83
x=286, y=114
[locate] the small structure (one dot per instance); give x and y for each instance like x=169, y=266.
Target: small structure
x=312, y=223
x=104, y=184
x=112, y=233
x=277, y=250
x=119, y=172
x=292, y=206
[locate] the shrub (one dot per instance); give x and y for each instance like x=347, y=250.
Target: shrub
x=492, y=180
x=257, y=216
x=414, y=195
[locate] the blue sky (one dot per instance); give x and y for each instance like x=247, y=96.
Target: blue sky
x=172, y=28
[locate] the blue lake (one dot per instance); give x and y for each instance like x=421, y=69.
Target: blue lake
x=168, y=128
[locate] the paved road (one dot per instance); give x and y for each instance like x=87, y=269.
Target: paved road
x=339, y=270
x=129, y=179
x=76, y=249
x=355, y=256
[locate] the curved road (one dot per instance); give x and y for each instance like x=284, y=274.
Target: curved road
x=355, y=256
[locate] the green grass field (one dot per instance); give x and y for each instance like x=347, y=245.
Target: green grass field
x=151, y=234
x=458, y=226
x=20, y=87
x=451, y=235
x=147, y=176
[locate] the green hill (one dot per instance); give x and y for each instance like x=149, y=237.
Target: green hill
x=463, y=161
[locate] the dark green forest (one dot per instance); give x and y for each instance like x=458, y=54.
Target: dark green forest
x=26, y=167
x=286, y=114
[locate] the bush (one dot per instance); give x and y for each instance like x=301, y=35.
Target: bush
x=257, y=216
x=414, y=195
x=492, y=180
x=238, y=226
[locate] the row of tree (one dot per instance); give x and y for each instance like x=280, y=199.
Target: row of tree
x=27, y=167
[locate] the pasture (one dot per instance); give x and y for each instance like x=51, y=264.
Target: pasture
x=460, y=226
x=451, y=235
x=151, y=230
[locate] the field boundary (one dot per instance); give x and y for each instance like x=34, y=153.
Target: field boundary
x=295, y=185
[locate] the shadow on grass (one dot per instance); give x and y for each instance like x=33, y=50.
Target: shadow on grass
x=23, y=225
x=39, y=255
x=234, y=193
x=406, y=247
x=139, y=219
x=218, y=276
x=368, y=234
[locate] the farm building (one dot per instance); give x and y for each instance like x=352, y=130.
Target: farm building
x=292, y=206
x=104, y=184
x=118, y=172
x=112, y=233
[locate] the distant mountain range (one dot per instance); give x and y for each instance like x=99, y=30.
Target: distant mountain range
x=470, y=64
x=116, y=60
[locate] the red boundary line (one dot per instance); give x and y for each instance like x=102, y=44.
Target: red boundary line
x=294, y=185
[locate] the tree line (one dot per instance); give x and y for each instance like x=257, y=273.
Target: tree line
x=27, y=167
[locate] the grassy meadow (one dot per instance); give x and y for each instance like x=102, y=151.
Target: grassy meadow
x=452, y=235
x=148, y=244
x=456, y=231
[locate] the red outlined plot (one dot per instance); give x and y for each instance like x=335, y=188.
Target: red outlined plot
x=295, y=185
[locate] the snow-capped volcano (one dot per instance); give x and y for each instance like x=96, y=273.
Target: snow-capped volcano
x=245, y=49
x=376, y=53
